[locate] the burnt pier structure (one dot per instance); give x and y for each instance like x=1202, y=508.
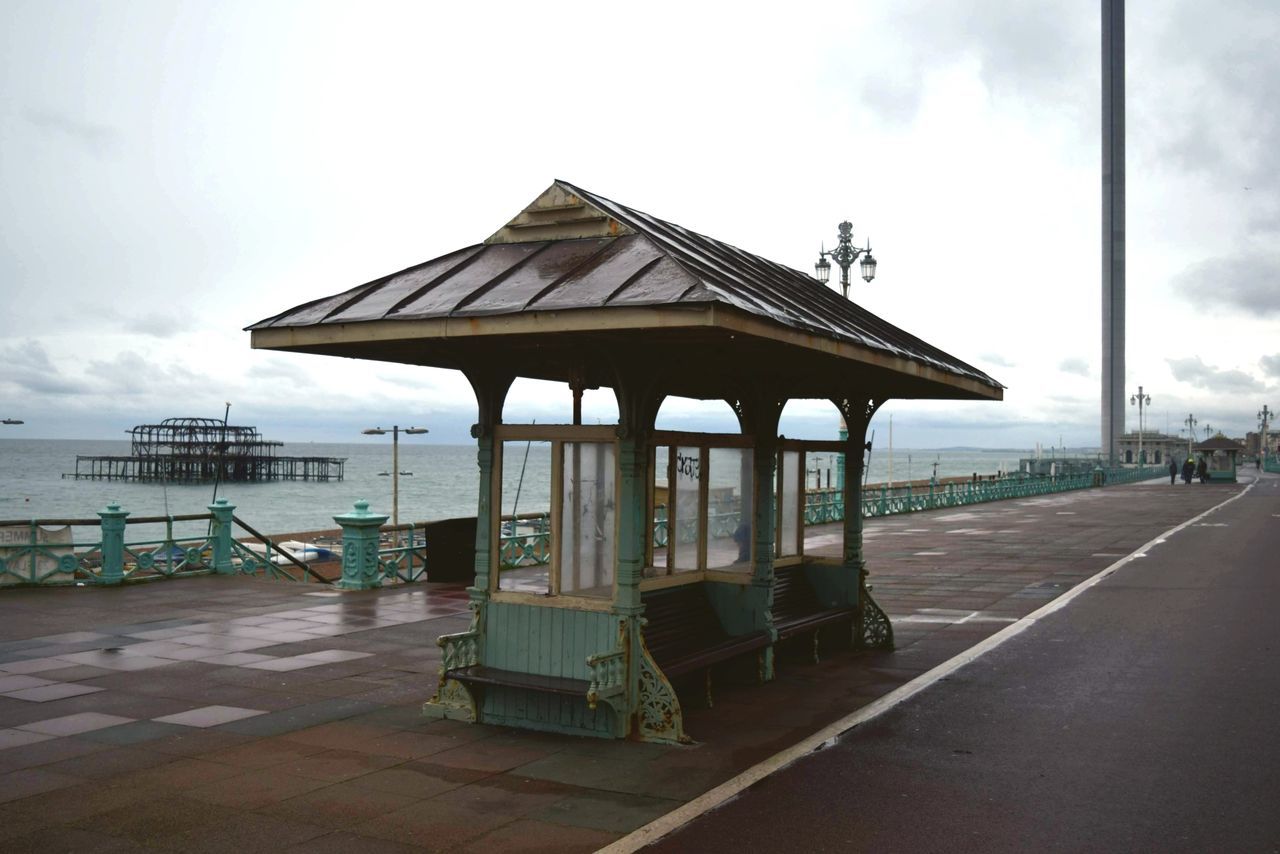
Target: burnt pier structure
x=203, y=450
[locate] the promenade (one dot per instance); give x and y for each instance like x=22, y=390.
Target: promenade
x=230, y=713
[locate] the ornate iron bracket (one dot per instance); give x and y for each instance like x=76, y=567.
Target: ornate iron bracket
x=872, y=627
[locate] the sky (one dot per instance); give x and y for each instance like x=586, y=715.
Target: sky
x=175, y=171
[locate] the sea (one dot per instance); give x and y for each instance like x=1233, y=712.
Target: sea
x=436, y=481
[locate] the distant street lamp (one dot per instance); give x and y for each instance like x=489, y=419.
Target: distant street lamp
x=1143, y=401
x=395, y=432
x=1191, y=423
x=844, y=255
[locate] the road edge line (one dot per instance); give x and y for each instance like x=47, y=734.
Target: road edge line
x=831, y=733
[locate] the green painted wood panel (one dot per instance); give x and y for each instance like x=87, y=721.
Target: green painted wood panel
x=550, y=642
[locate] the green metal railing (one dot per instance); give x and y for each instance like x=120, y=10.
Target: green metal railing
x=824, y=506
x=108, y=557
x=405, y=559
x=193, y=544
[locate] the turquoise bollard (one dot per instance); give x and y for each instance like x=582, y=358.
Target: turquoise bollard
x=360, y=531
x=220, y=536
x=113, y=525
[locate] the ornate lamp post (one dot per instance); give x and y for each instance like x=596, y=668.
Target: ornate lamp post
x=1191, y=423
x=395, y=432
x=1143, y=401
x=844, y=255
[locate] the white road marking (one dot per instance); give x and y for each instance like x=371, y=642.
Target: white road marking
x=830, y=734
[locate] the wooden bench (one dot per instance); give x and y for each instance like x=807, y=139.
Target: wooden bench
x=797, y=609
x=684, y=635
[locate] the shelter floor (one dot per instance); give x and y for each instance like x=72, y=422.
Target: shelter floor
x=236, y=714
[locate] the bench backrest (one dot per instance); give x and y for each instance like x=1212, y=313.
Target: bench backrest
x=793, y=595
x=680, y=620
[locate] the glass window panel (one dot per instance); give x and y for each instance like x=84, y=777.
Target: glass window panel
x=729, y=517
x=661, y=507
x=525, y=537
x=792, y=483
x=688, y=510
x=587, y=516
x=823, y=505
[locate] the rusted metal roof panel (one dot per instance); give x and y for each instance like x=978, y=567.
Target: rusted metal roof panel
x=538, y=273
x=593, y=285
x=400, y=287
x=662, y=283
x=484, y=268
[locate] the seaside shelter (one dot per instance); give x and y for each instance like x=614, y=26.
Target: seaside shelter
x=1220, y=455
x=666, y=554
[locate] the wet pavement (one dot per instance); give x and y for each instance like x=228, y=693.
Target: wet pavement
x=239, y=714
x=1140, y=717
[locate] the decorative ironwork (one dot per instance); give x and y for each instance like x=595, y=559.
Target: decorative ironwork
x=872, y=628
x=202, y=450
x=659, y=715
x=452, y=699
x=609, y=671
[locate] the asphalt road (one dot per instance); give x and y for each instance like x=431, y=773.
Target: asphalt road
x=1143, y=716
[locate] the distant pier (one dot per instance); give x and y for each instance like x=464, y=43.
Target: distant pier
x=202, y=450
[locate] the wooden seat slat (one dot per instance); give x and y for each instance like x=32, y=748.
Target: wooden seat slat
x=478, y=674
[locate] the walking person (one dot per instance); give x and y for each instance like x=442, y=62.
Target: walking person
x=1202, y=470
x=1173, y=472
x=1188, y=469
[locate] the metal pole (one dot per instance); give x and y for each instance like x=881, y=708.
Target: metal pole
x=395, y=476
x=1113, y=228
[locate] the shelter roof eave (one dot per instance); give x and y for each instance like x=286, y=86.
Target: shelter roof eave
x=702, y=346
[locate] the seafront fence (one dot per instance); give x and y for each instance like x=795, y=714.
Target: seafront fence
x=528, y=545
x=45, y=551
x=98, y=552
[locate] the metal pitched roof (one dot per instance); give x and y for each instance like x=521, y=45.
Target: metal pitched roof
x=572, y=250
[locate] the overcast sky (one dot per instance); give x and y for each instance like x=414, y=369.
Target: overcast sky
x=173, y=172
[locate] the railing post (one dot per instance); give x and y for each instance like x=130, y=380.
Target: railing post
x=113, y=525
x=360, y=532
x=222, y=511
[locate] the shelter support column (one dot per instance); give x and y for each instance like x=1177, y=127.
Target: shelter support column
x=872, y=628
x=651, y=708
x=758, y=417
x=491, y=389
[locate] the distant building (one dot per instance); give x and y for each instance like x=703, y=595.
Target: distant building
x=1253, y=443
x=1157, y=449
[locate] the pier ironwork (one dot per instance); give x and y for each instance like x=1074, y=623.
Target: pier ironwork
x=203, y=450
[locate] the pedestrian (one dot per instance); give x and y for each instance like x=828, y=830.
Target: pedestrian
x=1188, y=469
x=1173, y=472
x=1202, y=470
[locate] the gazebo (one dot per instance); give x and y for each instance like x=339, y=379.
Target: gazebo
x=667, y=554
x=1219, y=453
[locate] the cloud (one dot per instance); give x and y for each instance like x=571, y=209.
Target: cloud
x=1270, y=365
x=1245, y=283
x=281, y=369
x=133, y=375
x=1074, y=366
x=1195, y=372
x=27, y=367
x=97, y=138
x=997, y=360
